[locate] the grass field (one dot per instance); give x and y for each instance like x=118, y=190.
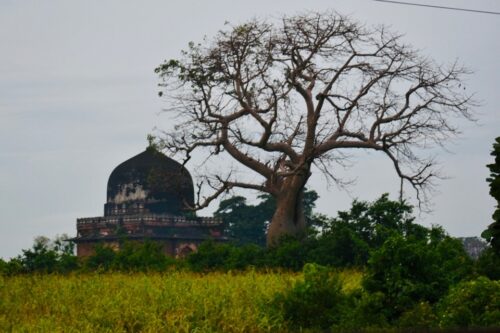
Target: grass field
x=169, y=302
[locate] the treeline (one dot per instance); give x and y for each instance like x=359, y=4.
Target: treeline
x=370, y=234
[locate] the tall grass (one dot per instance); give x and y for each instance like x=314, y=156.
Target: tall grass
x=169, y=302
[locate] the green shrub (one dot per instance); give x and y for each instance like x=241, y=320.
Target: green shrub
x=339, y=247
x=244, y=256
x=132, y=257
x=367, y=312
x=421, y=317
x=102, y=259
x=317, y=301
x=290, y=253
x=347, y=239
x=143, y=256
x=409, y=270
x=210, y=256
x=473, y=303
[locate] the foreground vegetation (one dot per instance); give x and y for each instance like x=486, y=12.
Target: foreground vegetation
x=249, y=301
x=166, y=302
x=369, y=268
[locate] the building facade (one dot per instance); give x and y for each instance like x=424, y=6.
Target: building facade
x=147, y=199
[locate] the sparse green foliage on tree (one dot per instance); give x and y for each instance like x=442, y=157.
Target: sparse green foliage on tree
x=286, y=97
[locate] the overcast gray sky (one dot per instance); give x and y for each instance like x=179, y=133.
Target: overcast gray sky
x=78, y=96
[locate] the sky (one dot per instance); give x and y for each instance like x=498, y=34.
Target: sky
x=78, y=96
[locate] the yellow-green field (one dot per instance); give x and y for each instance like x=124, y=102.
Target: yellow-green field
x=169, y=302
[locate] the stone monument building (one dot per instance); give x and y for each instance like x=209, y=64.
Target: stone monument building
x=147, y=197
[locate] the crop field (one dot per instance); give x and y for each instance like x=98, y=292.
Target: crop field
x=167, y=302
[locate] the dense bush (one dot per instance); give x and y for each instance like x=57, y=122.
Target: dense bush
x=421, y=317
x=102, y=259
x=143, y=256
x=318, y=301
x=245, y=256
x=340, y=246
x=290, y=254
x=368, y=312
x=210, y=256
x=409, y=270
x=347, y=239
x=133, y=256
x=473, y=303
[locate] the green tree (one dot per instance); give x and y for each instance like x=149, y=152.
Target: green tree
x=244, y=223
x=49, y=256
x=492, y=234
x=408, y=270
x=374, y=222
x=347, y=239
x=247, y=224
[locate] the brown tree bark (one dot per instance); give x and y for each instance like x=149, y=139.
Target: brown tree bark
x=289, y=218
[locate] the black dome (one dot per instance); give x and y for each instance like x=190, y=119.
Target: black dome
x=149, y=183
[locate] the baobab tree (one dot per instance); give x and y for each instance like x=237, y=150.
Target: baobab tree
x=281, y=97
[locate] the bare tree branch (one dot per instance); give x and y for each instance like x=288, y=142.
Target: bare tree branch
x=280, y=97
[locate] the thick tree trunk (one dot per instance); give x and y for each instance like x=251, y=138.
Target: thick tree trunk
x=289, y=218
